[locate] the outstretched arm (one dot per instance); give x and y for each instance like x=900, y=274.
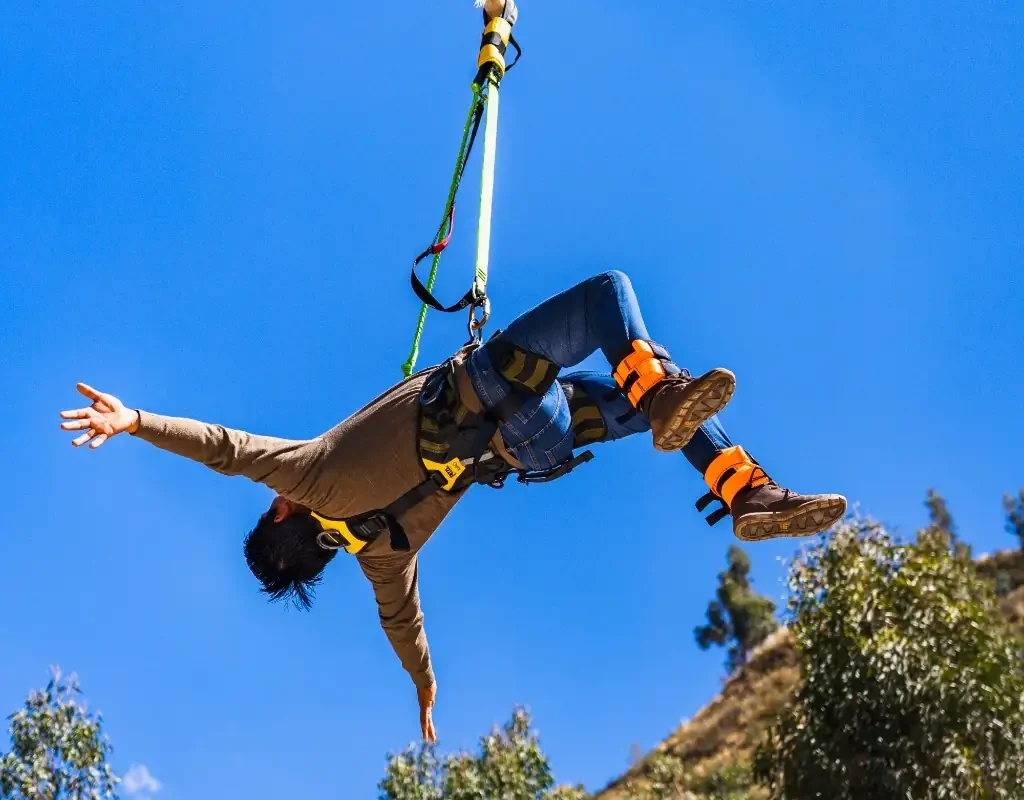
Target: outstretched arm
x=395, y=582
x=281, y=464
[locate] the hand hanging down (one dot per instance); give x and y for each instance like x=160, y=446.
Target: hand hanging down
x=426, y=700
x=106, y=417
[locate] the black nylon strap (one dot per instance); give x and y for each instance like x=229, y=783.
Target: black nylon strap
x=519, y=52
x=417, y=493
x=417, y=285
x=367, y=527
x=718, y=514
x=706, y=500
x=423, y=294
x=563, y=469
x=722, y=481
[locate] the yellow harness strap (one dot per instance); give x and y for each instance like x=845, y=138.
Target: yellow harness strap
x=337, y=533
x=731, y=471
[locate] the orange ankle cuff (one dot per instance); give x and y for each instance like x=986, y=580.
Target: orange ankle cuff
x=640, y=371
x=731, y=471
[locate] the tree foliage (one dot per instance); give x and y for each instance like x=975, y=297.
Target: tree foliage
x=666, y=777
x=508, y=766
x=739, y=618
x=941, y=527
x=1014, y=507
x=913, y=683
x=58, y=750
x=938, y=513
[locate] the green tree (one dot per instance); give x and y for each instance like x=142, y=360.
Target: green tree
x=941, y=525
x=938, y=513
x=739, y=618
x=913, y=685
x=665, y=777
x=58, y=750
x=1015, y=516
x=509, y=766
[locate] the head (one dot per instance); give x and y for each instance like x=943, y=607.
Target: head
x=283, y=553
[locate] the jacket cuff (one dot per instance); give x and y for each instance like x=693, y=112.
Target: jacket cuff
x=425, y=680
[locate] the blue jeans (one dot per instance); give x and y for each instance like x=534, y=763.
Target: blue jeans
x=599, y=314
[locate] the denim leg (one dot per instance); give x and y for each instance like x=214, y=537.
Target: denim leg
x=539, y=433
x=600, y=313
x=707, y=442
x=621, y=420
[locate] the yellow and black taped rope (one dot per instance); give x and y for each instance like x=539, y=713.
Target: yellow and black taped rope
x=493, y=45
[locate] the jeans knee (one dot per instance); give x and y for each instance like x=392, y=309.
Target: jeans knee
x=615, y=279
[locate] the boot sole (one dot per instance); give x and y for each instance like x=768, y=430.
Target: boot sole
x=710, y=394
x=807, y=520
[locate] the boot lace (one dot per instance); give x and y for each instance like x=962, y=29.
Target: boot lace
x=771, y=484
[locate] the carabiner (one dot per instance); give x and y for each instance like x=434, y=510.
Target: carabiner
x=477, y=324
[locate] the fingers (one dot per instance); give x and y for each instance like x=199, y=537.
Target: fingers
x=89, y=392
x=102, y=400
x=97, y=428
x=83, y=438
x=427, y=724
x=427, y=727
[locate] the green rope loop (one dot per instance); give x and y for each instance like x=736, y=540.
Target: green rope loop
x=410, y=363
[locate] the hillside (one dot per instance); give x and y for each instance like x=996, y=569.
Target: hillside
x=722, y=736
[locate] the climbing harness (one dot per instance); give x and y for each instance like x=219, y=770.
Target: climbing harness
x=491, y=68
x=459, y=445
x=588, y=426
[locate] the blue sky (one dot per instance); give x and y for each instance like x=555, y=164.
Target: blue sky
x=209, y=209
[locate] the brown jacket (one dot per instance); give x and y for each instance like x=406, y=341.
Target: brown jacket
x=361, y=464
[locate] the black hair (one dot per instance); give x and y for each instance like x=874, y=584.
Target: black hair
x=286, y=558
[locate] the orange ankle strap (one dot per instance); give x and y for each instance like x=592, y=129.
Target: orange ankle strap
x=641, y=370
x=731, y=471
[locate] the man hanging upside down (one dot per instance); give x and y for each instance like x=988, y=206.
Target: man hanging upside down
x=399, y=465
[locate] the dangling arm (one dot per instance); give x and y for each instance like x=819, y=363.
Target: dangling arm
x=395, y=580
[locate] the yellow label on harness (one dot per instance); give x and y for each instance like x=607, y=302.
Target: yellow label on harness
x=451, y=471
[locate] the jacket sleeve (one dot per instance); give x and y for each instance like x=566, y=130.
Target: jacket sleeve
x=280, y=464
x=395, y=582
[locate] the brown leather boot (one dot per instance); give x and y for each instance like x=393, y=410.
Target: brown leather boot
x=675, y=403
x=682, y=404
x=770, y=511
x=760, y=508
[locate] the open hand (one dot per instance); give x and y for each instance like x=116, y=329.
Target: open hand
x=426, y=700
x=106, y=417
